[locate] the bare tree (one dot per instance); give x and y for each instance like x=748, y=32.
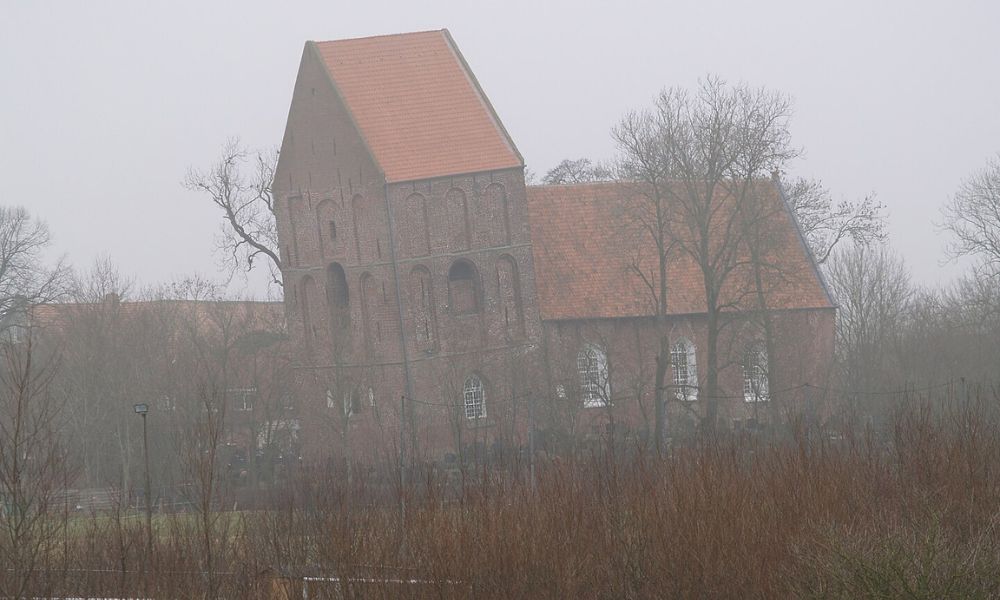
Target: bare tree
x=643, y=162
x=24, y=277
x=873, y=291
x=826, y=224
x=32, y=463
x=239, y=184
x=581, y=170
x=708, y=154
x=972, y=216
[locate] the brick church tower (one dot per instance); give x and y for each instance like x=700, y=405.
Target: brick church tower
x=403, y=227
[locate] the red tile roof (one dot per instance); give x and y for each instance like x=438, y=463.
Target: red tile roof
x=60, y=316
x=418, y=106
x=584, y=241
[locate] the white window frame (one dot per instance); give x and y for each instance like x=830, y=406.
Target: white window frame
x=474, y=398
x=756, y=379
x=684, y=369
x=592, y=368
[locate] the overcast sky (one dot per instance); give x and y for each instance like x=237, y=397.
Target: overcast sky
x=104, y=105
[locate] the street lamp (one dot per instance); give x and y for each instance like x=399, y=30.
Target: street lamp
x=141, y=410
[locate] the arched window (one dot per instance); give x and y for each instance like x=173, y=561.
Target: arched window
x=683, y=360
x=463, y=288
x=474, y=397
x=756, y=384
x=595, y=387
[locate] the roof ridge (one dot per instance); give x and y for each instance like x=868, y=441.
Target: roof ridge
x=577, y=184
x=379, y=36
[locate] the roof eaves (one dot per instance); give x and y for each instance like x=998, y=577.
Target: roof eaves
x=450, y=175
x=482, y=96
x=805, y=244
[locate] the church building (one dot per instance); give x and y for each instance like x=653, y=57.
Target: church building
x=437, y=302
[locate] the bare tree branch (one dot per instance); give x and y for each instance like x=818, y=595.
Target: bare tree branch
x=973, y=216
x=825, y=224
x=249, y=228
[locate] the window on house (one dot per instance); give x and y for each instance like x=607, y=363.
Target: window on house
x=463, y=292
x=243, y=398
x=166, y=403
x=685, y=369
x=592, y=365
x=756, y=386
x=349, y=405
x=332, y=229
x=475, y=398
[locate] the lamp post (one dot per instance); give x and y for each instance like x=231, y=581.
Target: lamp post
x=141, y=410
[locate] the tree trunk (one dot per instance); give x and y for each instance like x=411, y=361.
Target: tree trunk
x=712, y=375
x=662, y=364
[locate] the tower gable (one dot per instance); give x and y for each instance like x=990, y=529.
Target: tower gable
x=322, y=148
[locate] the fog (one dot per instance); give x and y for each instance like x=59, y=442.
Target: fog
x=105, y=105
x=736, y=362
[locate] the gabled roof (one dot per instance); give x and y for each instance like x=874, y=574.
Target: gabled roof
x=584, y=242
x=418, y=106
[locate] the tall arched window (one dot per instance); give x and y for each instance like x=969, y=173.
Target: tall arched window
x=595, y=387
x=474, y=397
x=756, y=383
x=683, y=360
x=463, y=288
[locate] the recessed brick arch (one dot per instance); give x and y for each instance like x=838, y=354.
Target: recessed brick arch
x=421, y=302
x=413, y=234
x=338, y=301
x=510, y=306
x=458, y=220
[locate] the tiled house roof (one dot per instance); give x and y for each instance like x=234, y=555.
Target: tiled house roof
x=418, y=106
x=585, y=238
x=60, y=316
